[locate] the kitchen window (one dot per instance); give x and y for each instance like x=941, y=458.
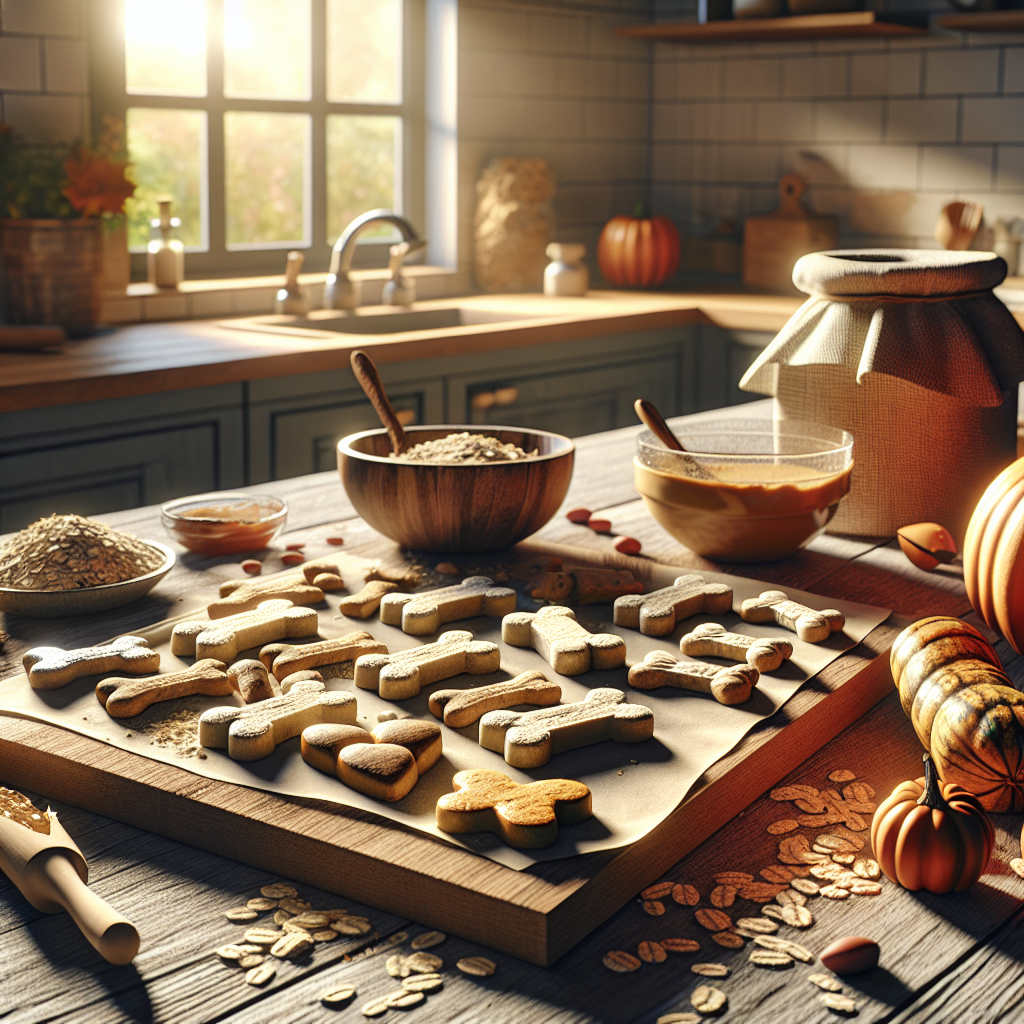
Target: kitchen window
x=271, y=123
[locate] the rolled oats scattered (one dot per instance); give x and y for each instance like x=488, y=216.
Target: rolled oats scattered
x=657, y=891
x=728, y=940
x=781, y=827
x=620, y=961
x=395, y=966
x=839, y=844
x=773, y=911
x=827, y=871
x=399, y=999
x=761, y=892
x=678, y=1018
x=825, y=982
x=858, y=792
x=280, y=916
x=241, y=914
x=797, y=850
x=866, y=888
x=844, y=858
x=428, y=940
x=338, y=996
x=279, y=891
x=291, y=946
x=261, y=903
x=423, y=963
x=262, y=936
x=235, y=951
x=653, y=907
x=841, y=1004
x=846, y=879
x=866, y=867
x=351, y=925
x=478, y=966
x=325, y=935
x=758, y=925
x=423, y=983
x=806, y=886
x=708, y=999
x=835, y=892
x=685, y=895
x=652, y=952
x=251, y=960
x=723, y=896
x=311, y=919
x=293, y=905
x=782, y=794
x=797, y=917
x=713, y=920
x=792, y=949
x=710, y=970
x=732, y=878
x=841, y=775
x=680, y=945
x=771, y=958
x=260, y=975
x=1016, y=865
x=788, y=896
x=296, y=929
x=782, y=874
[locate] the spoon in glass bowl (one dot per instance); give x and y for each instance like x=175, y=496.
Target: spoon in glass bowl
x=655, y=423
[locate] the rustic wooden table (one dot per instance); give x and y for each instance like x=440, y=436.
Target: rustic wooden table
x=950, y=958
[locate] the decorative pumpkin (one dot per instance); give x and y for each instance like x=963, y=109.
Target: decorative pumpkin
x=638, y=252
x=964, y=709
x=930, y=835
x=994, y=556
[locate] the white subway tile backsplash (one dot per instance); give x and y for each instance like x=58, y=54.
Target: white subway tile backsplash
x=883, y=167
x=42, y=17
x=491, y=117
x=751, y=79
x=815, y=76
x=20, y=64
x=723, y=122
x=485, y=28
x=619, y=121
x=558, y=33
x=885, y=74
x=509, y=74
x=956, y=167
x=993, y=119
x=67, y=66
x=699, y=79
x=950, y=72
x=785, y=122
x=922, y=120
x=1013, y=69
x=1010, y=162
x=850, y=121
x=633, y=79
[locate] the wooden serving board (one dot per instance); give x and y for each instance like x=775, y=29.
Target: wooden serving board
x=536, y=914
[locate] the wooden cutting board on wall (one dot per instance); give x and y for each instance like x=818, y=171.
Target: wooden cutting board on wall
x=772, y=243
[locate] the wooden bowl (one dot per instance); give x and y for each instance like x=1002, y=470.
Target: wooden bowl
x=457, y=509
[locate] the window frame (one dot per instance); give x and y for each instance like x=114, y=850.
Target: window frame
x=109, y=98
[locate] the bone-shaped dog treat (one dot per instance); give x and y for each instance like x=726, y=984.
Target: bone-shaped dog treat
x=297, y=587
x=405, y=577
x=583, y=585
x=124, y=698
x=403, y=674
x=252, y=681
x=385, y=763
x=421, y=614
x=297, y=677
x=254, y=731
x=367, y=601
x=459, y=708
x=528, y=739
x=656, y=613
x=764, y=653
x=284, y=659
x=524, y=816
x=223, y=639
x=568, y=647
x=51, y=667
x=729, y=684
x=810, y=625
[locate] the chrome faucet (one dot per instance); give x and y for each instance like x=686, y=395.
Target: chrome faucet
x=340, y=291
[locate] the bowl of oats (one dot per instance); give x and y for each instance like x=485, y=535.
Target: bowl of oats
x=457, y=489
x=69, y=565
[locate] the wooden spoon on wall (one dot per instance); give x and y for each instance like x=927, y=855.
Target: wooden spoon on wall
x=369, y=379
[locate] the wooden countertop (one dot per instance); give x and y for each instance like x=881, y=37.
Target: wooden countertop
x=944, y=958
x=151, y=358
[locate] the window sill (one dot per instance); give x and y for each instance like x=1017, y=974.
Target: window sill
x=248, y=296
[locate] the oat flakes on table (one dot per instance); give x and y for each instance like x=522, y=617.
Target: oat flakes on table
x=841, y=775
x=783, y=874
x=713, y=920
x=674, y=945
x=840, y=1004
x=757, y=925
x=845, y=859
x=826, y=982
x=293, y=905
x=685, y=895
x=657, y=891
x=259, y=976
x=710, y=970
x=241, y=914
x=325, y=935
x=262, y=936
x=620, y=961
x=791, y=896
x=279, y=891
x=797, y=917
x=261, y=903
x=338, y=996
x=251, y=960
x=678, y=1018
x=806, y=886
x=1017, y=866
x=723, y=896
x=793, y=949
x=868, y=868
x=772, y=958
x=866, y=888
x=293, y=945
x=728, y=940
x=736, y=878
x=652, y=952
x=781, y=827
x=423, y=983
x=653, y=907
x=761, y=892
x=785, y=794
x=708, y=999
x=827, y=871
x=478, y=966
x=427, y=940
x=835, y=892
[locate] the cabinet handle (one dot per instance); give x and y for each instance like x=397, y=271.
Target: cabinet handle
x=499, y=396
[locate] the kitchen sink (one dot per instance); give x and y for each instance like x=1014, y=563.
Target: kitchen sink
x=370, y=321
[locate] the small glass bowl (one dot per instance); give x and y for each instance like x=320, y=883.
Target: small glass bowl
x=224, y=522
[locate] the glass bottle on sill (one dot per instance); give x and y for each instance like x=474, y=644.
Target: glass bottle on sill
x=165, y=256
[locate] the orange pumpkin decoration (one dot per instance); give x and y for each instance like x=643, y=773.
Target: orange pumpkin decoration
x=994, y=556
x=638, y=252
x=929, y=835
x=965, y=710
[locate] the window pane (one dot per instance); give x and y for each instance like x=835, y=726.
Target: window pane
x=165, y=47
x=167, y=149
x=266, y=179
x=364, y=51
x=363, y=161
x=267, y=49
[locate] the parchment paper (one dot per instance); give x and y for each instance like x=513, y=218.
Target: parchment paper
x=635, y=786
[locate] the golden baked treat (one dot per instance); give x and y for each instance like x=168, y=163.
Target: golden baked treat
x=284, y=659
x=526, y=816
x=124, y=697
x=657, y=613
x=728, y=684
x=49, y=668
x=252, y=681
x=459, y=708
x=421, y=614
x=305, y=586
x=764, y=653
x=363, y=604
x=225, y=638
x=810, y=625
x=569, y=648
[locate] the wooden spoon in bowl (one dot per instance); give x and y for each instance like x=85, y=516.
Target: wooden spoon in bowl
x=369, y=379
x=655, y=423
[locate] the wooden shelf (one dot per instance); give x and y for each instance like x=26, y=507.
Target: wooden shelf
x=805, y=26
x=984, y=21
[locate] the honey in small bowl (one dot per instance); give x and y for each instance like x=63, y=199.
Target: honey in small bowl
x=224, y=523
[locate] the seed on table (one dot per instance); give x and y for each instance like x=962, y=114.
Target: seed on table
x=352, y=925
x=844, y=858
x=600, y=525
x=423, y=983
x=713, y=920
x=784, y=825
x=685, y=895
x=841, y=775
x=708, y=999
x=806, y=886
x=627, y=546
x=251, y=960
x=619, y=961
x=336, y=541
x=423, y=963
x=780, y=874
x=736, y=878
x=723, y=896
x=260, y=975
x=772, y=910
x=252, y=566
x=841, y=1004
x=292, y=558
x=280, y=916
x=581, y=516
x=710, y=970
x=835, y=892
x=866, y=867
x=311, y=919
x=678, y=1018
x=235, y=951
x=399, y=999
x=294, y=546
x=791, y=949
x=866, y=888
x=827, y=871
x=1016, y=865
x=759, y=925
x=447, y=568
x=325, y=935
x=839, y=844
x=239, y=914
x=479, y=966
x=728, y=940
x=279, y=891
x=427, y=940
x=797, y=917
x=773, y=958
x=395, y=966
x=680, y=945
x=825, y=981
x=846, y=879
x=338, y=996
x=262, y=936
x=295, y=906
x=760, y=892
x=291, y=946
x=290, y=927
x=653, y=907
x=657, y=891
x=261, y=903
x=652, y=953
x=790, y=896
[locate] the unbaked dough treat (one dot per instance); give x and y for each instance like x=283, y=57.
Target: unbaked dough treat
x=385, y=763
x=363, y=604
x=252, y=681
x=529, y=739
x=124, y=697
x=421, y=614
x=298, y=587
x=284, y=659
x=253, y=731
x=403, y=674
x=764, y=653
x=49, y=668
x=459, y=708
x=728, y=684
x=810, y=625
x=657, y=613
x=569, y=648
x=225, y=638
x=526, y=816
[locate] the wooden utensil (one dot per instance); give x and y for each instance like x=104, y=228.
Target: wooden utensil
x=958, y=224
x=369, y=379
x=655, y=423
x=28, y=339
x=42, y=860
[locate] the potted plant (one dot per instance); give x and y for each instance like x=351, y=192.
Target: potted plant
x=62, y=206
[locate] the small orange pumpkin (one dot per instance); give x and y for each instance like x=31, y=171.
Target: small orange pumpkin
x=638, y=252
x=930, y=835
x=994, y=556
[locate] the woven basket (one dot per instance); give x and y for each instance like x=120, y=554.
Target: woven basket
x=911, y=352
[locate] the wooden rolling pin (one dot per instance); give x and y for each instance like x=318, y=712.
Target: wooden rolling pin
x=42, y=860
x=28, y=339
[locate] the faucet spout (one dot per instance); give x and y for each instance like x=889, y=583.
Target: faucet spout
x=340, y=291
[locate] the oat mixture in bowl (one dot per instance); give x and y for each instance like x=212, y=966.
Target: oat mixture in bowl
x=463, y=448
